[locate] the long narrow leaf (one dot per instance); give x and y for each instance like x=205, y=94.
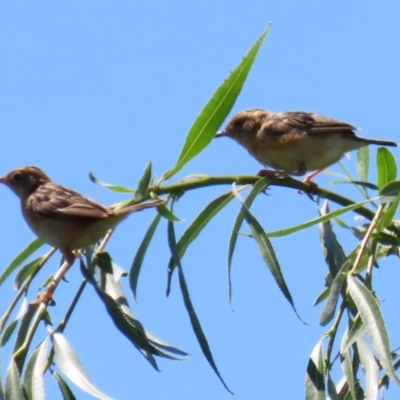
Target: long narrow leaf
x=8, y=332
x=266, y=250
x=140, y=254
x=371, y=368
x=70, y=365
x=347, y=367
x=391, y=189
x=357, y=329
x=333, y=251
x=328, y=312
x=191, y=233
x=363, y=163
x=387, y=218
x=319, y=220
x=143, y=183
x=13, y=389
x=117, y=306
x=114, y=289
x=332, y=393
x=26, y=271
x=33, y=377
x=21, y=257
x=64, y=388
x=374, y=324
x=315, y=381
x=216, y=110
x=21, y=335
x=194, y=320
x=114, y=188
x=386, y=167
x=257, y=189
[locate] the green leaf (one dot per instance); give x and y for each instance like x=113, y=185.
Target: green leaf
x=357, y=329
x=114, y=188
x=315, y=378
x=141, y=191
x=315, y=221
x=370, y=367
x=386, y=167
x=387, y=218
x=22, y=311
x=332, y=393
x=107, y=264
x=21, y=335
x=360, y=184
x=259, y=186
x=117, y=306
x=27, y=271
x=34, y=372
x=333, y=251
x=8, y=333
x=167, y=214
x=198, y=330
x=21, y=257
x=199, y=223
x=363, y=163
x=322, y=296
x=328, y=312
x=374, y=324
x=140, y=254
x=70, y=365
x=64, y=388
x=266, y=250
x=13, y=389
x=214, y=113
x=392, y=189
x=347, y=367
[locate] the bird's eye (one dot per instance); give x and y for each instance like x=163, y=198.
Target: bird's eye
x=238, y=124
x=17, y=177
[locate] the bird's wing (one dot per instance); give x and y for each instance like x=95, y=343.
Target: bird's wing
x=65, y=203
x=329, y=125
x=314, y=124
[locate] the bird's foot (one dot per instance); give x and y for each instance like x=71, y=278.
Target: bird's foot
x=313, y=186
x=45, y=297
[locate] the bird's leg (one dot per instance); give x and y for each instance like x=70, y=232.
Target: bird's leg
x=301, y=170
x=308, y=178
x=47, y=296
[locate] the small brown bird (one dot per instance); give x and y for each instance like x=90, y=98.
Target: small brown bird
x=60, y=216
x=295, y=142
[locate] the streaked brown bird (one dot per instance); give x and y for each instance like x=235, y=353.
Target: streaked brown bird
x=62, y=217
x=295, y=142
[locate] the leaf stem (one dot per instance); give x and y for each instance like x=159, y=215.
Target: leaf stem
x=206, y=181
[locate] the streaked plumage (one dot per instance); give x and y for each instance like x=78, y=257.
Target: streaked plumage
x=295, y=142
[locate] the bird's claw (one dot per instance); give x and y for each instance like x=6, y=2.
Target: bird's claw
x=312, y=190
x=45, y=297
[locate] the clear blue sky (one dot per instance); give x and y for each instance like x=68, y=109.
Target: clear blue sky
x=108, y=86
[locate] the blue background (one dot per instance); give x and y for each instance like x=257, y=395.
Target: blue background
x=108, y=86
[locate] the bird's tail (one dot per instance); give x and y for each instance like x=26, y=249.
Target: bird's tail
x=381, y=142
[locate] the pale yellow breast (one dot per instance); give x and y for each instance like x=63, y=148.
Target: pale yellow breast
x=289, y=151
x=70, y=233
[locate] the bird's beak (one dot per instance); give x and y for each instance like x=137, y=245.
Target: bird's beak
x=2, y=179
x=221, y=134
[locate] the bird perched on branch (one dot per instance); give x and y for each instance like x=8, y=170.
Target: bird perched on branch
x=62, y=217
x=294, y=142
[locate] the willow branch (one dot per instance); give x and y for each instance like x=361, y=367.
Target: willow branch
x=206, y=181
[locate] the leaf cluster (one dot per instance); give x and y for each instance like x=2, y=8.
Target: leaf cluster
x=348, y=299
